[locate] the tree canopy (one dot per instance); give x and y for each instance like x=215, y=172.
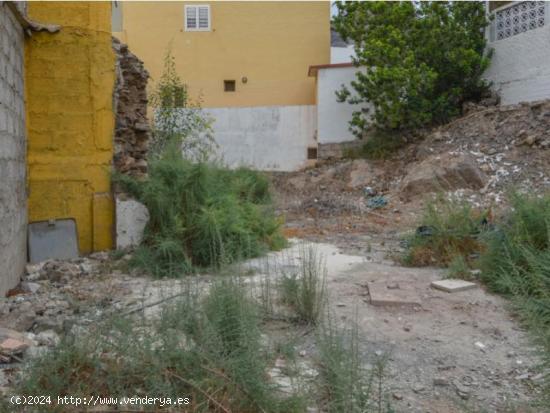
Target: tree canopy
x=421, y=60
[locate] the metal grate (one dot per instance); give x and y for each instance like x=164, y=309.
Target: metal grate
x=519, y=18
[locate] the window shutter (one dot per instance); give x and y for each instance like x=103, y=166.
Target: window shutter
x=203, y=18
x=191, y=17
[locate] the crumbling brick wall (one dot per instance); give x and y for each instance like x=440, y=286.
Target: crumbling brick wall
x=13, y=214
x=132, y=130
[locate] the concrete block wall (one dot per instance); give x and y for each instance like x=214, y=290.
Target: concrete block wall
x=520, y=66
x=13, y=208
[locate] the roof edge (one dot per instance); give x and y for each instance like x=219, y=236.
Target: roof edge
x=312, y=71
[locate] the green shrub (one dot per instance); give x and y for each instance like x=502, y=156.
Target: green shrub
x=459, y=268
x=421, y=60
x=448, y=229
x=378, y=145
x=202, y=215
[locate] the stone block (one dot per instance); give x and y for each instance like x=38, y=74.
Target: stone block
x=453, y=285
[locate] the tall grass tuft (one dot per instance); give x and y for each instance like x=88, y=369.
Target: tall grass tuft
x=207, y=348
x=346, y=384
x=304, y=290
x=517, y=264
x=202, y=215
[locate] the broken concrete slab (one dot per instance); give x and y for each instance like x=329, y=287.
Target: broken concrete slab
x=453, y=285
x=382, y=294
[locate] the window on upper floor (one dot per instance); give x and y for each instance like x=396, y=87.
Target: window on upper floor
x=197, y=18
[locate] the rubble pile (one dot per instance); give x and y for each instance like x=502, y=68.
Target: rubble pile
x=477, y=157
x=132, y=131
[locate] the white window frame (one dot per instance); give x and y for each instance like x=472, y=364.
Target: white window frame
x=196, y=7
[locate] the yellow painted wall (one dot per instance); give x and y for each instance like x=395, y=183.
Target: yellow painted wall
x=270, y=43
x=69, y=84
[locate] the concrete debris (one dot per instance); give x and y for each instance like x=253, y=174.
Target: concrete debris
x=480, y=345
x=453, y=285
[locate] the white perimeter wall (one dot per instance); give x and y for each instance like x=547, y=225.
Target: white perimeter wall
x=520, y=67
x=332, y=116
x=272, y=138
x=341, y=54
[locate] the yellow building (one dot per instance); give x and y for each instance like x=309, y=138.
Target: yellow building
x=69, y=79
x=232, y=53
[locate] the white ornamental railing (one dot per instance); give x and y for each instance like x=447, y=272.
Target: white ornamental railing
x=518, y=17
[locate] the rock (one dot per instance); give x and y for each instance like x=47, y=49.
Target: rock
x=369, y=191
x=462, y=391
x=440, y=381
x=362, y=175
x=86, y=268
x=480, y=345
x=531, y=140
x=59, y=271
x=12, y=342
x=442, y=173
x=101, y=256
x=30, y=287
x=418, y=388
x=397, y=396
x=33, y=268
x=407, y=327
x=21, y=317
x=48, y=338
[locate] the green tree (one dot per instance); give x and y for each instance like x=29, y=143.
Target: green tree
x=421, y=60
x=178, y=119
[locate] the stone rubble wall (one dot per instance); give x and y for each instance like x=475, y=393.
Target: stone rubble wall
x=13, y=197
x=132, y=135
x=132, y=131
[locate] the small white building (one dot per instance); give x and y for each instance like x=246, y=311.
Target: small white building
x=519, y=35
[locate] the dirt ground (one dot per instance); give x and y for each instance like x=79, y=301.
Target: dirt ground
x=449, y=352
